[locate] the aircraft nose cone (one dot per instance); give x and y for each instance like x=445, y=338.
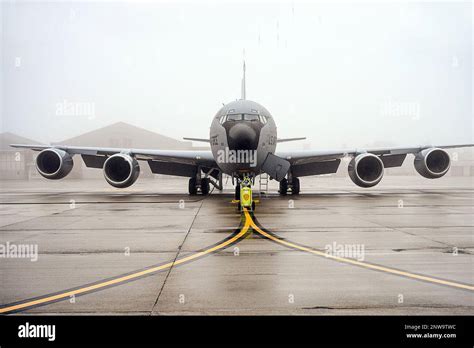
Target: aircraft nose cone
x=242, y=137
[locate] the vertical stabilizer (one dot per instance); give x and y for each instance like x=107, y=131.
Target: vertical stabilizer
x=243, y=84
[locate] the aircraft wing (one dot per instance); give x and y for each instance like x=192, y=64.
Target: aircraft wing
x=307, y=156
x=309, y=162
x=95, y=156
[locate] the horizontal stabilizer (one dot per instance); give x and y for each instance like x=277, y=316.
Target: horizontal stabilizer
x=198, y=139
x=290, y=139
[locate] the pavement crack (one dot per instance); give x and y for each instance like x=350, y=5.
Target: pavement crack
x=429, y=306
x=176, y=257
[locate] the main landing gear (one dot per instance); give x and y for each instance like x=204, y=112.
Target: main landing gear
x=291, y=184
x=202, y=181
x=203, y=187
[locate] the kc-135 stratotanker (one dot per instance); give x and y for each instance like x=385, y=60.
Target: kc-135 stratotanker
x=243, y=140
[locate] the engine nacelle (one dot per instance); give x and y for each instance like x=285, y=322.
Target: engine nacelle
x=54, y=163
x=366, y=170
x=432, y=163
x=121, y=170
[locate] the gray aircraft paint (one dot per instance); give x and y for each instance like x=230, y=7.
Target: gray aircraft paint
x=219, y=137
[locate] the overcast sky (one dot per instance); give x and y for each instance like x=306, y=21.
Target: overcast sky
x=341, y=74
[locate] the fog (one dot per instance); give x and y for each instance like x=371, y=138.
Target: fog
x=343, y=75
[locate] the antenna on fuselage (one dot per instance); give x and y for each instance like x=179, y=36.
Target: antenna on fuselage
x=243, y=83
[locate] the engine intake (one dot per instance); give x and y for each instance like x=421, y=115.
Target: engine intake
x=54, y=163
x=432, y=163
x=121, y=170
x=366, y=170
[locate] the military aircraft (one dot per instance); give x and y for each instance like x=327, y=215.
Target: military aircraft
x=243, y=140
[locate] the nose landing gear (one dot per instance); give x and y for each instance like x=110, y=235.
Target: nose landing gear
x=237, y=192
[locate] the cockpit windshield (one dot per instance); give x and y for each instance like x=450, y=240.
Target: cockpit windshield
x=243, y=117
x=251, y=117
x=235, y=117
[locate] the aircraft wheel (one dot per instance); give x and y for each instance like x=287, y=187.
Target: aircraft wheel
x=237, y=192
x=205, y=186
x=296, y=186
x=192, y=186
x=283, y=187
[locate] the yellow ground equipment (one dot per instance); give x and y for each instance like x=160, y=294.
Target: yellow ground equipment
x=246, y=199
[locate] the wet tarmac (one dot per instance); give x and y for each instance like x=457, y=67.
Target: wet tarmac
x=152, y=249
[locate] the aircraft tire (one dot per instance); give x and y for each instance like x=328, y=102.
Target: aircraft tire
x=283, y=187
x=295, y=186
x=205, y=186
x=192, y=186
x=237, y=192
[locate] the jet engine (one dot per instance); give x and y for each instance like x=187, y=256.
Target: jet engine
x=54, y=163
x=432, y=163
x=366, y=170
x=121, y=170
